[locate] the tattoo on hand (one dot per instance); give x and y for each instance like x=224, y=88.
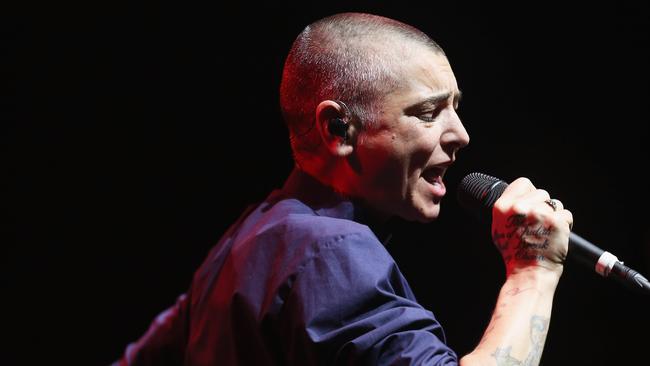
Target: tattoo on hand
x=521, y=240
x=538, y=331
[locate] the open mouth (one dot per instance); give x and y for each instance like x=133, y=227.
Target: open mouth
x=433, y=176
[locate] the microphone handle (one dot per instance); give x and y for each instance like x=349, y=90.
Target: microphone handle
x=605, y=263
x=583, y=251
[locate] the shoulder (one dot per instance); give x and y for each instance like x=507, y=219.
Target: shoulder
x=296, y=236
x=299, y=226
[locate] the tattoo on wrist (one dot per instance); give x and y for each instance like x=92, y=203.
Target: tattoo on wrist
x=516, y=291
x=538, y=331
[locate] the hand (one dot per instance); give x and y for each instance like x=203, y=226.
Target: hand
x=529, y=232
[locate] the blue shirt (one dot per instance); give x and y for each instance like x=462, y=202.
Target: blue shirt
x=300, y=279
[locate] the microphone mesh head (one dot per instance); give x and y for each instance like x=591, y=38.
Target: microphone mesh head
x=477, y=193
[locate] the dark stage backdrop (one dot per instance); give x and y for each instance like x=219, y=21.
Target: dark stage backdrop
x=137, y=134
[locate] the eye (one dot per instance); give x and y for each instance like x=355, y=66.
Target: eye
x=431, y=115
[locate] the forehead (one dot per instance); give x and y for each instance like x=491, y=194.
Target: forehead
x=425, y=72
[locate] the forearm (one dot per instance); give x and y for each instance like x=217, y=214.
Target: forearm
x=517, y=331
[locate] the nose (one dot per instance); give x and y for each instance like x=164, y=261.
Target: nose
x=455, y=136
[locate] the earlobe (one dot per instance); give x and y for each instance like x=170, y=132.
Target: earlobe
x=334, y=128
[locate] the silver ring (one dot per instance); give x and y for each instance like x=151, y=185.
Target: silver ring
x=553, y=203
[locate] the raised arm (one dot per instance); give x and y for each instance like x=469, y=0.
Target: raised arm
x=532, y=237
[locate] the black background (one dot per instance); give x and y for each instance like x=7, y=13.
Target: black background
x=135, y=134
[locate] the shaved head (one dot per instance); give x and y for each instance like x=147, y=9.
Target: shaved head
x=351, y=57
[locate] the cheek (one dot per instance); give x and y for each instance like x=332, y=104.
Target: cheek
x=384, y=166
x=394, y=164
x=421, y=150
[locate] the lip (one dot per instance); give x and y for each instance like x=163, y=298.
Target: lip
x=434, y=177
x=437, y=169
x=437, y=187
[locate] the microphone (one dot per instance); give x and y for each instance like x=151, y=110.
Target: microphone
x=477, y=193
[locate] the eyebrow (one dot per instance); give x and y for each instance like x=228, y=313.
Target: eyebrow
x=433, y=100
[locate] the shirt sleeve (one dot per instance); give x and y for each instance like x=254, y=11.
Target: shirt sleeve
x=349, y=304
x=164, y=341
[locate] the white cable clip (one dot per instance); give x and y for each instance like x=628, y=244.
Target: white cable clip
x=605, y=263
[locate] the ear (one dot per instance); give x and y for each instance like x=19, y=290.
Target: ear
x=326, y=112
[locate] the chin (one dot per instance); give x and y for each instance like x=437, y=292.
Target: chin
x=429, y=218
x=423, y=213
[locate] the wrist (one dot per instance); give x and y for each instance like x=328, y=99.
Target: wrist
x=540, y=278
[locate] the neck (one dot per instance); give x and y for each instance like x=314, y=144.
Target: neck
x=340, y=182
x=325, y=172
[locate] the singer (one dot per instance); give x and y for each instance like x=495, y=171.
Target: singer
x=303, y=277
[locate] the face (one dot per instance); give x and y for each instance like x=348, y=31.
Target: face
x=403, y=157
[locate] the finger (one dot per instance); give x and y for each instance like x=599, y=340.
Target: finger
x=538, y=195
x=532, y=201
x=555, y=204
x=567, y=217
x=514, y=192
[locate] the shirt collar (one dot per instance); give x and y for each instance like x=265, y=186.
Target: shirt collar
x=327, y=202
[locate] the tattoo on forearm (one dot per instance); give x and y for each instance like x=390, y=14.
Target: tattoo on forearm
x=538, y=331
